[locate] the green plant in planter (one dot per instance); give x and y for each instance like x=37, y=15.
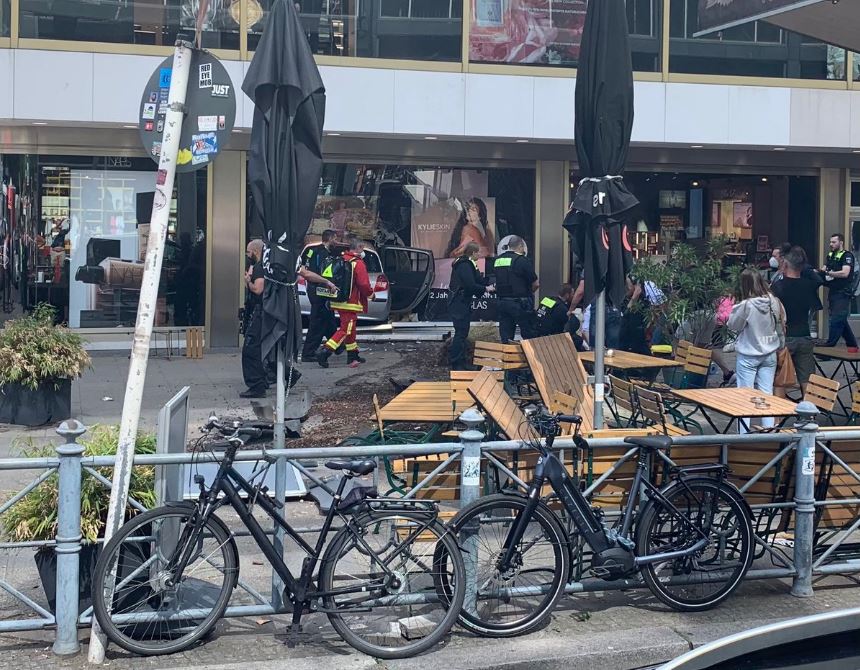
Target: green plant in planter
x=34, y=517
x=34, y=351
x=693, y=286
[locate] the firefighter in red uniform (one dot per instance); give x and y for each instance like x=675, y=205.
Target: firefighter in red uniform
x=349, y=310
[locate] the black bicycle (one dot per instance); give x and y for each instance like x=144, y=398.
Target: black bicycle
x=691, y=539
x=391, y=580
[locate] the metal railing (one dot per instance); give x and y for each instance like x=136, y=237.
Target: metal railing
x=474, y=455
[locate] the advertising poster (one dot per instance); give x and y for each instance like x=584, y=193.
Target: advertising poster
x=526, y=31
x=716, y=14
x=742, y=215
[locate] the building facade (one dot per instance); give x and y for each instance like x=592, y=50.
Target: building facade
x=753, y=133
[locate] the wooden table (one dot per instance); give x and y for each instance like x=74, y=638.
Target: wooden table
x=421, y=402
x=736, y=403
x=627, y=360
x=848, y=367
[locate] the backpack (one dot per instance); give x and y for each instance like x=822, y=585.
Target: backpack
x=339, y=273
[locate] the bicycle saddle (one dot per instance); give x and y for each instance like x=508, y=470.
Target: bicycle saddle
x=357, y=467
x=650, y=441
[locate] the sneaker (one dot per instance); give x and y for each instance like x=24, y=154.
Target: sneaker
x=852, y=350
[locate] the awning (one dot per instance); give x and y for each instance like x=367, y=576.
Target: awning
x=835, y=22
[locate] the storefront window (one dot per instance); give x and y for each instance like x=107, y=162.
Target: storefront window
x=5, y=16
x=754, y=49
x=405, y=29
x=148, y=22
x=397, y=207
x=753, y=212
x=549, y=32
x=81, y=230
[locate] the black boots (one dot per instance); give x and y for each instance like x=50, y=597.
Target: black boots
x=353, y=359
x=323, y=355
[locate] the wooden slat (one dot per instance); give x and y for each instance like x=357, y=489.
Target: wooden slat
x=499, y=356
x=698, y=361
x=822, y=392
x=627, y=360
x=737, y=402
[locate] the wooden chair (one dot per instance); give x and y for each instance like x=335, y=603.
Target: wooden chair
x=624, y=395
x=823, y=393
x=837, y=483
x=497, y=356
x=653, y=411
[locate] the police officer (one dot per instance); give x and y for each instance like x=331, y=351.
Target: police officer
x=321, y=323
x=253, y=370
x=466, y=284
x=516, y=283
x=552, y=314
x=838, y=275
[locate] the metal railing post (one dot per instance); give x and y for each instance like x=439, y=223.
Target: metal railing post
x=470, y=490
x=804, y=499
x=68, y=538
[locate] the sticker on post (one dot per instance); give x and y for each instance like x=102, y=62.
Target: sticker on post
x=204, y=144
x=471, y=471
x=164, y=77
x=222, y=123
x=197, y=160
x=153, y=96
x=148, y=126
x=206, y=75
x=207, y=123
x=160, y=177
x=156, y=149
x=807, y=466
x=160, y=127
x=220, y=91
x=148, y=111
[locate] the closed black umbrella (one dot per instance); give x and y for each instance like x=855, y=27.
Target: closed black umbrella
x=285, y=162
x=603, y=123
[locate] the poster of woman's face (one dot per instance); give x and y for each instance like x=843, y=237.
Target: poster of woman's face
x=742, y=215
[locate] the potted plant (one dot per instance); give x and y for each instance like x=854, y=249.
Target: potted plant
x=38, y=362
x=34, y=517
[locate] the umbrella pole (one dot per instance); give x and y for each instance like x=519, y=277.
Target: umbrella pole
x=599, y=350
x=145, y=311
x=280, y=468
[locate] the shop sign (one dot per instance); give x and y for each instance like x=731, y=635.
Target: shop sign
x=211, y=111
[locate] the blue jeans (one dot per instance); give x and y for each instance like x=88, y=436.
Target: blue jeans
x=756, y=372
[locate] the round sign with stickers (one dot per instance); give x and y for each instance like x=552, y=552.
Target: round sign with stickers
x=211, y=111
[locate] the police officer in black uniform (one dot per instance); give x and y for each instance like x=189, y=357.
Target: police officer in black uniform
x=838, y=275
x=253, y=370
x=551, y=317
x=516, y=283
x=466, y=284
x=321, y=324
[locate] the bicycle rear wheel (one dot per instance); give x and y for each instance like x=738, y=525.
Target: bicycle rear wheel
x=703, y=580
x=514, y=602
x=150, y=613
x=395, y=586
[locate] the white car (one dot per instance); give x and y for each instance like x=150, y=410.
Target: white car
x=400, y=278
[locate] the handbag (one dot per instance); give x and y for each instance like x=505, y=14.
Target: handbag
x=786, y=375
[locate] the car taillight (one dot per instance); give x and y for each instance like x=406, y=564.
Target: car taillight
x=381, y=284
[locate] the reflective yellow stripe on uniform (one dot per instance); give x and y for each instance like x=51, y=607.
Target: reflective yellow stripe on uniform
x=352, y=347
x=548, y=302
x=503, y=262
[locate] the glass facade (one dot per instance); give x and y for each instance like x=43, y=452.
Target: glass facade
x=148, y=22
x=549, y=32
x=5, y=18
x=79, y=230
x=754, y=49
x=399, y=29
x=396, y=206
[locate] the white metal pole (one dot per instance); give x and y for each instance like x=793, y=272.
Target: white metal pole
x=146, y=307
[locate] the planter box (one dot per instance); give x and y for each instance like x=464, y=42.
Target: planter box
x=49, y=403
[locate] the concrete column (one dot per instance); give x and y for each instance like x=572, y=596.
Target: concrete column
x=227, y=254
x=833, y=218
x=553, y=184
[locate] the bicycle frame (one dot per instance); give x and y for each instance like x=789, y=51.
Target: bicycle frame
x=550, y=468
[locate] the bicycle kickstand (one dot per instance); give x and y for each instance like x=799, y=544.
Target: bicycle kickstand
x=295, y=629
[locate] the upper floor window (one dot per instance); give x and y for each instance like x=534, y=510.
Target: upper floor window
x=549, y=32
x=397, y=29
x=753, y=49
x=147, y=22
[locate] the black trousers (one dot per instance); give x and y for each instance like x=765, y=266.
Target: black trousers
x=461, y=317
x=515, y=312
x=840, y=310
x=253, y=370
x=321, y=326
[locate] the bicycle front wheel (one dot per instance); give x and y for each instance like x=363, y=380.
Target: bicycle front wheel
x=393, y=585
x=706, y=578
x=139, y=602
x=518, y=599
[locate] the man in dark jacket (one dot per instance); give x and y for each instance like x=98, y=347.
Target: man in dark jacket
x=321, y=323
x=516, y=283
x=466, y=284
x=553, y=313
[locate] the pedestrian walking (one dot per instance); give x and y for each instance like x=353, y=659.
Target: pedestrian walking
x=798, y=293
x=253, y=369
x=356, y=291
x=838, y=276
x=759, y=321
x=516, y=282
x=467, y=283
x=322, y=323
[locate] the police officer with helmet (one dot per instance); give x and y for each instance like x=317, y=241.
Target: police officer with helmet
x=516, y=283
